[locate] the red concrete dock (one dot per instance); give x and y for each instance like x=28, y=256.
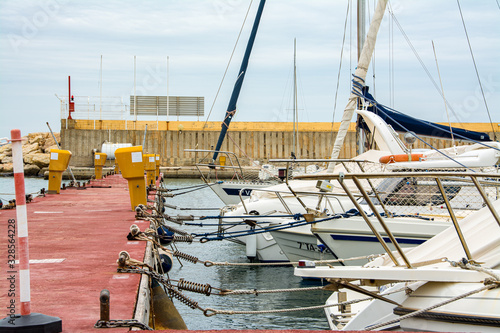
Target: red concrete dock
x=74, y=241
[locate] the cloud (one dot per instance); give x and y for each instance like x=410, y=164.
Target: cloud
x=43, y=42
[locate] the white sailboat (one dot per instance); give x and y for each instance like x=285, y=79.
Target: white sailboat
x=305, y=198
x=449, y=283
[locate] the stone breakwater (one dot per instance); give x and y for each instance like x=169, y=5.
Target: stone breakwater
x=36, y=154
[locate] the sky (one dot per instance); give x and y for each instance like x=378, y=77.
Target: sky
x=43, y=42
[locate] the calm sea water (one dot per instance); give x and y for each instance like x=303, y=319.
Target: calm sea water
x=32, y=185
x=239, y=277
x=230, y=277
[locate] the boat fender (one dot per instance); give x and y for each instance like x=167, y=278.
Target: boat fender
x=166, y=260
x=251, y=246
x=400, y=158
x=165, y=236
x=164, y=314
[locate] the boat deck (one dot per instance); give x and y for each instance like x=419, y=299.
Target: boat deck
x=74, y=241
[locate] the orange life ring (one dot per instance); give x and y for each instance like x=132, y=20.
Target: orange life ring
x=400, y=158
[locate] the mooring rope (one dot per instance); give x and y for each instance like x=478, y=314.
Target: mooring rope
x=418, y=312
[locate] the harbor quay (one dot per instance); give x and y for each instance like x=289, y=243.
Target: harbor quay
x=248, y=141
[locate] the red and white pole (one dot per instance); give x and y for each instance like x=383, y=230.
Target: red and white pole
x=22, y=222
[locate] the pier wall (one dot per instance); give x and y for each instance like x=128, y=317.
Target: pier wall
x=257, y=140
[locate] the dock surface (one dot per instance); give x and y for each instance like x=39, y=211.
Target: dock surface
x=74, y=241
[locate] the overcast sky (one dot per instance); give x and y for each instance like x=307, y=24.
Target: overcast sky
x=45, y=41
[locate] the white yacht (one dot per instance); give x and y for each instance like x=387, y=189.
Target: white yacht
x=449, y=283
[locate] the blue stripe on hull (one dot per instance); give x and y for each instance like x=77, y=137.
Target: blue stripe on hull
x=411, y=241
x=236, y=192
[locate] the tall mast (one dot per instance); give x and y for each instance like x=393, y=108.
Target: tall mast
x=359, y=77
x=295, y=113
x=231, y=109
x=361, y=25
x=361, y=41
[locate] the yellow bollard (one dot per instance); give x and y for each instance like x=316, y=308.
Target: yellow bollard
x=157, y=160
x=150, y=167
x=59, y=161
x=117, y=168
x=132, y=168
x=222, y=161
x=99, y=160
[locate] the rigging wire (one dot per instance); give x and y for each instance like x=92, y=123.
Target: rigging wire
x=338, y=75
x=475, y=67
x=227, y=67
x=422, y=63
x=391, y=56
x=444, y=99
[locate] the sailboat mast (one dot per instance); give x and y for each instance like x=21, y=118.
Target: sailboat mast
x=295, y=114
x=359, y=77
x=231, y=109
x=360, y=133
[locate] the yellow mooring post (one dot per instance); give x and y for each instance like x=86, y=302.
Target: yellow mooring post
x=222, y=161
x=117, y=168
x=150, y=166
x=132, y=167
x=157, y=160
x=99, y=160
x=59, y=161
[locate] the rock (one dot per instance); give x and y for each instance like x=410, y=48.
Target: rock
x=31, y=148
x=31, y=170
x=37, y=138
x=41, y=160
x=50, y=140
x=7, y=159
x=6, y=149
x=7, y=167
x=42, y=171
x=47, y=150
x=28, y=158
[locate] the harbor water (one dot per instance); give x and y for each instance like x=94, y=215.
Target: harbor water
x=226, y=277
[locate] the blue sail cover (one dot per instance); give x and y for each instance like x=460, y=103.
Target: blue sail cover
x=404, y=123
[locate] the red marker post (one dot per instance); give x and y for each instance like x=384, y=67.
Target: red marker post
x=36, y=322
x=22, y=222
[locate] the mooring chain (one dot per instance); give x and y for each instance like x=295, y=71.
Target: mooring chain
x=206, y=289
x=122, y=323
x=166, y=283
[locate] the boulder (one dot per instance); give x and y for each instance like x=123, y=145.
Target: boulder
x=28, y=158
x=6, y=149
x=42, y=171
x=31, y=148
x=7, y=159
x=50, y=140
x=41, y=160
x=31, y=170
x=7, y=167
x=36, y=137
x=47, y=149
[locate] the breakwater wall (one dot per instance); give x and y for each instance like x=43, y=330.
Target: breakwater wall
x=256, y=140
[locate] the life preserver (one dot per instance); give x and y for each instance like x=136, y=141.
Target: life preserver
x=400, y=158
